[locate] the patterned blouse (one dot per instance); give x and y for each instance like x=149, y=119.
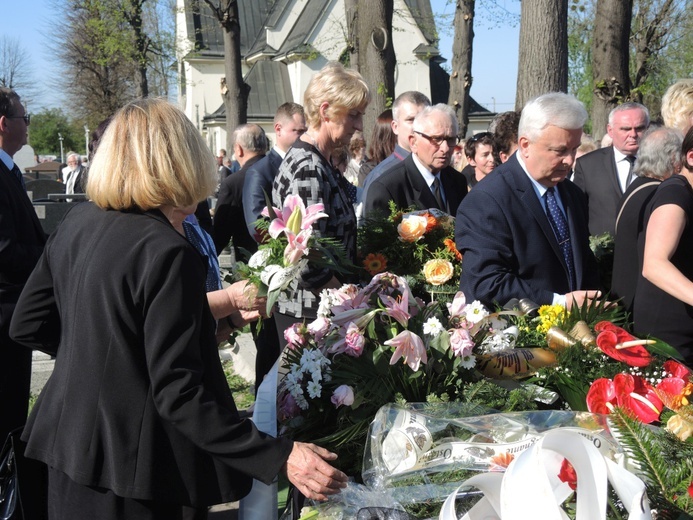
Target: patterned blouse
x=306, y=173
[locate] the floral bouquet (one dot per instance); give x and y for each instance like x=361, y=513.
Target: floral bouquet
x=289, y=245
x=418, y=245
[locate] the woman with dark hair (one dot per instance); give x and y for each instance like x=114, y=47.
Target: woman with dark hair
x=381, y=145
x=137, y=420
x=480, y=150
x=663, y=304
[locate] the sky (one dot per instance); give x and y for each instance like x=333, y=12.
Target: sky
x=494, y=62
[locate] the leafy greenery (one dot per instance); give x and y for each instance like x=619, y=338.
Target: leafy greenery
x=45, y=128
x=242, y=390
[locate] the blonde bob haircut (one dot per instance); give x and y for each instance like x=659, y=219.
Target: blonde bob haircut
x=343, y=89
x=150, y=156
x=677, y=105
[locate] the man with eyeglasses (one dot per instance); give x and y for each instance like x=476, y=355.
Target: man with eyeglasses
x=523, y=230
x=425, y=179
x=21, y=244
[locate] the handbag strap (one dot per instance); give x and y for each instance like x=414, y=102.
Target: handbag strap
x=623, y=206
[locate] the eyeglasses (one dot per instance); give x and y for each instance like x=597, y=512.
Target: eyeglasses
x=437, y=140
x=480, y=135
x=27, y=118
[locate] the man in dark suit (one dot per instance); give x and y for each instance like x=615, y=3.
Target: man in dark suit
x=250, y=145
x=75, y=174
x=523, y=231
x=604, y=174
x=21, y=244
x=659, y=157
x=289, y=125
x=425, y=179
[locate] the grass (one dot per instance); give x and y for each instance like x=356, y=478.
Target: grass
x=243, y=391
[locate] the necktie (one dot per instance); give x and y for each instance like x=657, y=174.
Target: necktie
x=560, y=229
x=17, y=173
x=631, y=161
x=437, y=194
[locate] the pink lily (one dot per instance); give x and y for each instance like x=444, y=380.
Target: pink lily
x=409, y=346
x=459, y=303
x=397, y=308
x=297, y=247
x=294, y=217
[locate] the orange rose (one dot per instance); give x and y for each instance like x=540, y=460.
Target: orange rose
x=412, y=228
x=438, y=271
x=450, y=244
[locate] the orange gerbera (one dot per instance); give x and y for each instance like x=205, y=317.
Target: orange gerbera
x=432, y=222
x=375, y=263
x=450, y=244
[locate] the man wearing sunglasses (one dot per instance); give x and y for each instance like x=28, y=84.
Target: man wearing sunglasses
x=425, y=179
x=21, y=243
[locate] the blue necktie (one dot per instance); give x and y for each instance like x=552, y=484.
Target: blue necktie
x=18, y=173
x=560, y=229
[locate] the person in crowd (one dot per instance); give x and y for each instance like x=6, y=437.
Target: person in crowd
x=605, y=174
x=289, y=125
x=357, y=157
x=663, y=303
x=587, y=145
x=659, y=157
x=405, y=108
x=137, y=421
x=523, y=231
x=504, y=131
x=224, y=171
x=250, y=145
x=677, y=105
x=459, y=160
x=480, y=150
x=380, y=146
x=75, y=174
x=425, y=178
x=334, y=104
x=21, y=244
x=340, y=159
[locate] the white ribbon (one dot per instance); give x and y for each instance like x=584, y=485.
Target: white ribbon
x=261, y=502
x=531, y=482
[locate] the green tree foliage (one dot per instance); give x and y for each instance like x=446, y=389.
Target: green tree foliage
x=580, y=17
x=47, y=125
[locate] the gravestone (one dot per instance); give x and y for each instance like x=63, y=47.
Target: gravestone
x=42, y=187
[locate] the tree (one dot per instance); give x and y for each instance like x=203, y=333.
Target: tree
x=234, y=91
x=543, y=53
x=46, y=127
x=610, y=55
x=15, y=68
x=461, y=75
x=370, y=44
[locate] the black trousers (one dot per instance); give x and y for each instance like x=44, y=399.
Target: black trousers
x=268, y=349
x=15, y=384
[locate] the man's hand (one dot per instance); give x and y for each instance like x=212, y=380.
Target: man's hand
x=243, y=295
x=307, y=470
x=579, y=297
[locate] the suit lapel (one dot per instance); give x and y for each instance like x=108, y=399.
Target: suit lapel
x=610, y=166
x=20, y=197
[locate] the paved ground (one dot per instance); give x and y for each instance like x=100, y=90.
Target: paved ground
x=243, y=357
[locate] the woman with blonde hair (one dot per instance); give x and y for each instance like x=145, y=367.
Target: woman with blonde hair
x=137, y=420
x=334, y=104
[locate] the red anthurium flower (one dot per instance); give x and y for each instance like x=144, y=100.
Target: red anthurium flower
x=567, y=474
x=638, y=397
x=611, y=336
x=601, y=397
x=674, y=392
x=690, y=489
x=676, y=369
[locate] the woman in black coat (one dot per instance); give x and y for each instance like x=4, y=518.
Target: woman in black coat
x=137, y=419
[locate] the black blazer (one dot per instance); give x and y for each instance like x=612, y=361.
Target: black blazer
x=596, y=175
x=509, y=248
x=258, y=182
x=229, y=219
x=137, y=402
x=404, y=184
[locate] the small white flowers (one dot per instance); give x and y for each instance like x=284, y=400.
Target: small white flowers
x=475, y=312
x=433, y=326
x=314, y=366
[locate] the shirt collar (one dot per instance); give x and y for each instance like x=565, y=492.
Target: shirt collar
x=618, y=156
x=427, y=175
x=6, y=159
x=279, y=151
x=538, y=188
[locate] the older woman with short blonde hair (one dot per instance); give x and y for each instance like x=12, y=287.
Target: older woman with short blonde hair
x=677, y=105
x=137, y=420
x=334, y=104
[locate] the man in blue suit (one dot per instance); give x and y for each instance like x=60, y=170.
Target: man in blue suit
x=289, y=124
x=524, y=230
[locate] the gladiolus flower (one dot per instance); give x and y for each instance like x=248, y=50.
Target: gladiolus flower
x=343, y=396
x=412, y=228
x=294, y=217
x=410, y=347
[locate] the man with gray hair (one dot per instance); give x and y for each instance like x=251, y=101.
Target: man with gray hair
x=425, y=179
x=659, y=157
x=74, y=175
x=605, y=174
x=523, y=231
x=250, y=145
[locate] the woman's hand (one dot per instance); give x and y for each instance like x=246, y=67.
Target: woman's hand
x=243, y=296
